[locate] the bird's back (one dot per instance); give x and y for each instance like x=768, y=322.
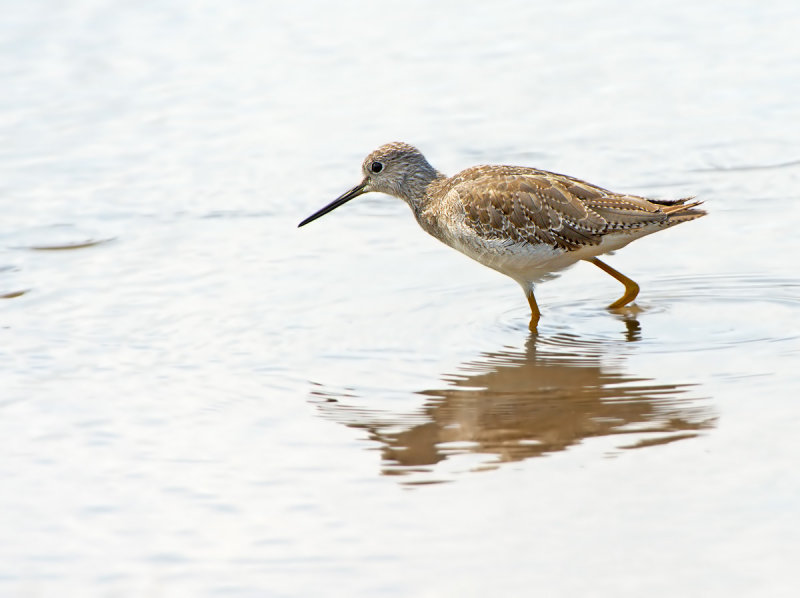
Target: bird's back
x=538, y=207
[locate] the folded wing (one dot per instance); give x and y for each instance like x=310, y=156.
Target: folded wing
x=539, y=207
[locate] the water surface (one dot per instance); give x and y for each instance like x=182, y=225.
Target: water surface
x=199, y=399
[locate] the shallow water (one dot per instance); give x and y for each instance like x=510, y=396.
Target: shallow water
x=199, y=399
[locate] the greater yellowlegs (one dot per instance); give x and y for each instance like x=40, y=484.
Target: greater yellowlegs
x=524, y=222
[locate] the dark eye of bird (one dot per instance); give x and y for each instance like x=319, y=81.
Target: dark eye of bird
x=376, y=167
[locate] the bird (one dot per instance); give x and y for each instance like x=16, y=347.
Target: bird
x=526, y=223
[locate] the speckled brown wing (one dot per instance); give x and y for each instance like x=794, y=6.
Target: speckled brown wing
x=621, y=212
x=526, y=205
x=540, y=207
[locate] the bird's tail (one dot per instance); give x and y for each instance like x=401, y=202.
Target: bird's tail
x=678, y=210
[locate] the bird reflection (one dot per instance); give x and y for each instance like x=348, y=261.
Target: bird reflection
x=512, y=405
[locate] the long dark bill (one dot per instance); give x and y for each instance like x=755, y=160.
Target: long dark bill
x=339, y=201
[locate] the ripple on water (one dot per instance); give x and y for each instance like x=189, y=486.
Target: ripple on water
x=725, y=311
x=57, y=237
x=9, y=292
x=737, y=288
x=60, y=237
x=74, y=245
x=13, y=294
x=677, y=313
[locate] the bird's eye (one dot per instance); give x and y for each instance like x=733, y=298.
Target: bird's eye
x=376, y=167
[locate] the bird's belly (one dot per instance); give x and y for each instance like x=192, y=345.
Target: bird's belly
x=527, y=263
x=523, y=262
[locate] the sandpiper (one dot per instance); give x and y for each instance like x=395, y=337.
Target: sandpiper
x=524, y=222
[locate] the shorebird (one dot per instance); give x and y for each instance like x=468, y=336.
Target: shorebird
x=523, y=222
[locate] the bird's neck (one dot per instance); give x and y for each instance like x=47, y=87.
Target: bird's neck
x=417, y=187
x=422, y=204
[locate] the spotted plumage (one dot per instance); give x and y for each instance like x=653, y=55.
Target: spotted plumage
x=523, y=222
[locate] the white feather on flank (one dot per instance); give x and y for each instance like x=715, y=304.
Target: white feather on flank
x=528, y=264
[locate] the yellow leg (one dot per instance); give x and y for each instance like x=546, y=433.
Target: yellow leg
x=631, y=288
x=534, y=310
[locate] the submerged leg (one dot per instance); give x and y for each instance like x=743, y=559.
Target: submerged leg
x=631, y=288
x=534, y=309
